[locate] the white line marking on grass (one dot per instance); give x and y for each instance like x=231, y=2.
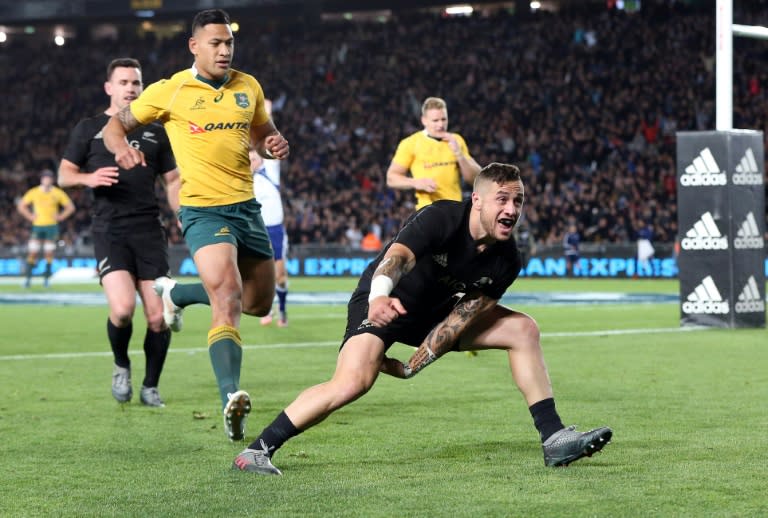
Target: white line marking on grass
x=614, y=332
x=337, y=343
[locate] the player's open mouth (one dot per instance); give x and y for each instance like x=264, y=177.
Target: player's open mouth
x=507, y=222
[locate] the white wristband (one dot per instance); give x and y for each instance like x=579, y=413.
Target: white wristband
x=381, y=286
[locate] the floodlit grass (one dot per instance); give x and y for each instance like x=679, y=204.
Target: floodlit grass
x=687, y=408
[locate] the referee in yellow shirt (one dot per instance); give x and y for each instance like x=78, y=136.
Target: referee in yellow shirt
x=44, y=206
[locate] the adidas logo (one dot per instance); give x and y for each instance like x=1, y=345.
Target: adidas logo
x=747, y=172
x=748, y=235
x=704, y=235
x=441, y=259
x=705, y=298
x=703, y=171
x=750, y=300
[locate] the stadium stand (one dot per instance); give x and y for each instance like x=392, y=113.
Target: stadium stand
x=588, y=102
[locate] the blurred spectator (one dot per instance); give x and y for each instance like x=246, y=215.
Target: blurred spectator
x=370, y=242
x=587, y=101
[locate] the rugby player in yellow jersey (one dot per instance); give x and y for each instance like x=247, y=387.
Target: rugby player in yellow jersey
x=436, y=159
x=44, y=206
x=213, y=115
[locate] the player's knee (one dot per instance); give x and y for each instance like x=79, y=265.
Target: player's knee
x=121, y=311
x=33, y=247
x=121, y=317
x=259, y=305
x=259, y=308
x=529, y=332
x=352, y=389
x=155, y=321
x=523, y=331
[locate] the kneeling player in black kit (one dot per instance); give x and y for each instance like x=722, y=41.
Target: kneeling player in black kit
x=437, y=286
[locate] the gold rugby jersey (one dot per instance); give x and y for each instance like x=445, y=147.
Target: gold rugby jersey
x=209, y=130
x=45, y=205
x=428, y=157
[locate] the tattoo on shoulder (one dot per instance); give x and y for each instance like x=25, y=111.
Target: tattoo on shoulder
x=127, y=119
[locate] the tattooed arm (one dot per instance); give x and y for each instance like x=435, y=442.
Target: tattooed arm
x=383, y=309
x=115, y=139
x=443, y=337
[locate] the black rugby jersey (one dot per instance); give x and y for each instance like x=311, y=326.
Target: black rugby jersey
x=447, y=261
x=132, y=201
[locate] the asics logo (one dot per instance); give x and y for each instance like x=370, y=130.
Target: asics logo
x=703, y=171
x=706, y=299
x=749, y=300
x=704, y=235
x=223, y=231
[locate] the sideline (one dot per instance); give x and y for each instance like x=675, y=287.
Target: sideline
x=335, y=343
x=332, y=297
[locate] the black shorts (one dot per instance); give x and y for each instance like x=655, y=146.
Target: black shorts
x=409, y=329
x=143, y=253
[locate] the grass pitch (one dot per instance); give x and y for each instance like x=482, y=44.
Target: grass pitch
x=687, y=408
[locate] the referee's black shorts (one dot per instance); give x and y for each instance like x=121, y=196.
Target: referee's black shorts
x=144, y=253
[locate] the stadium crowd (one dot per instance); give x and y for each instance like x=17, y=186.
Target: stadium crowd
x=587, y=103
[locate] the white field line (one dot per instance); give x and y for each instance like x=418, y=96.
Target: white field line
x=337, y=343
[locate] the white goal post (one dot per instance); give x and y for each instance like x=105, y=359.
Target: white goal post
x=726, y=29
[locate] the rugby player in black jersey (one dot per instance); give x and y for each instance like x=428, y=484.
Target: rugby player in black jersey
x=129, y=239
x=436, y=286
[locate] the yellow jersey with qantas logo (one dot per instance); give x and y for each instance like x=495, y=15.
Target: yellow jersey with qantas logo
x=208, y=125
x=428, y=157
x=45, y=204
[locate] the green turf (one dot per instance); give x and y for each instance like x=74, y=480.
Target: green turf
x=688, y=410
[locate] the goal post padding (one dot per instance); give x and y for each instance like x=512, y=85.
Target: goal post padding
x=721, y=228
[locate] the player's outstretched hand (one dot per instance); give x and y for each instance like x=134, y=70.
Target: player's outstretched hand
x=383, y=310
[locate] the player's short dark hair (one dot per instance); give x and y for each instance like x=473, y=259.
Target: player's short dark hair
x=499, y=173
x=203, y=18
x=121, y=62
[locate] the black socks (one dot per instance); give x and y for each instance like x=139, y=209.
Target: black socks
x=545, y=418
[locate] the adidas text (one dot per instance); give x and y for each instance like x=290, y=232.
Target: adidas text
x=746, y=179
x=704, y=243
x=706, y=307
x=697, y=180
x=742, y=243
x=749, y=306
